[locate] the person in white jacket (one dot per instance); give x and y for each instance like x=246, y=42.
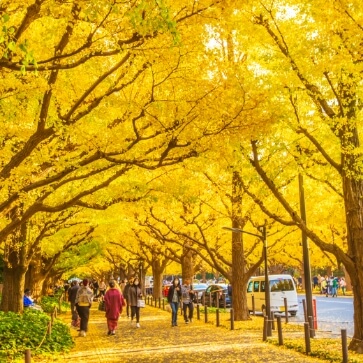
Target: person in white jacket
x=83, y=304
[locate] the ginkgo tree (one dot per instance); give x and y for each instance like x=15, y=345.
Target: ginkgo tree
x=190, y=216
x=100, y=88
x=307, y=56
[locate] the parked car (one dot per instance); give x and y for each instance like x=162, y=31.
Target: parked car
x=217, y=296
x=199, y=289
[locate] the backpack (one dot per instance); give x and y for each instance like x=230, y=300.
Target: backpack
x=83, y=297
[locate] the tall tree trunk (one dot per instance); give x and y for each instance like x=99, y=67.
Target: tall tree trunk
x=347, y=279
x=158, y=284
x=158, y=268
x=239, y=283
x=13, y=289
x=34, y=277
x=15, y=266
x=204, y=278
x=353, y=191
x=187, y=263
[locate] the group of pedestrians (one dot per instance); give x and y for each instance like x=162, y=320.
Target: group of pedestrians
x=331, y=285
x=181, y=294
x=81, y=297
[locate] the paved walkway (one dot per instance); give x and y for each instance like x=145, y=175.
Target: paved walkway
x=156, y=341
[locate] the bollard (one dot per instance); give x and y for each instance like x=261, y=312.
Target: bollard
x=304, y=308
x=224, y=301
x=203, y=299
x=163, y=304
x=265, y=324
x=217, y=300
x=307, y=338
x=286, y=311
x=253, y=306
x=279, y=330
x=28, y=356
x=272, y=320
x=232, y=318
x=145, y=300
x=205, y=313
x=344, y=346
x=159, y=302
x=148, y=300
x=155, y=302
x=210, y=299
x=198, y=312
x=311, y=324
x=217, y=317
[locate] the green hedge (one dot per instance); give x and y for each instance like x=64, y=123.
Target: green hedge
x=19, y=332
x=49, y=302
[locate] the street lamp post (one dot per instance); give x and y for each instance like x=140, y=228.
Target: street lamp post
x=141, y=263
x=262, y=229
x=306, y=259
x=263, y=238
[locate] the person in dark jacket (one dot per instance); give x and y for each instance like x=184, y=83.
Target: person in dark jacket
x=125, y=293
x=134, y=293
x=174, y=296
x=72, y=293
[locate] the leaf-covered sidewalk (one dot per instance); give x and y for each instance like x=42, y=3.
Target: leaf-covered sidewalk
x=157, y=341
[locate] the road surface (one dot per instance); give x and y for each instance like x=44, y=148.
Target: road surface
x=333, y=314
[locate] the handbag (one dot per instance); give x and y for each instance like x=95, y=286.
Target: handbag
x=140, y=303
x=101, y=306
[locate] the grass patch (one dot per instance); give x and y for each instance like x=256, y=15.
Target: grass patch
x=325, y=348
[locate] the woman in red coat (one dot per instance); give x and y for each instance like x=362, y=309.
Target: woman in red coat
x=114, y=301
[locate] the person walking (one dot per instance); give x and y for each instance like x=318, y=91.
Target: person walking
x=125, y=293
x=95, y=288
x=114, y=301
x=102, y=288
x=334, y=288
x=134, y=293
x=123, y=284
x=343, y=285
x=174, y=295
x=72, y=293
x=187, y=299
x=83, y=304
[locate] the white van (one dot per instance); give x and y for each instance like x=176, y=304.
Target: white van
x=281, y=286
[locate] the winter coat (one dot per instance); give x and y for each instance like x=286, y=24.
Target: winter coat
x=72, y=293
x=126, y=292
x=133, y=294
x=114, y=302
x=171, y=293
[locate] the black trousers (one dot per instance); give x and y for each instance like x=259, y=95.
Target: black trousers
x=189, y=306
x=127, y=308
x=135, y=310
x=83, y=312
